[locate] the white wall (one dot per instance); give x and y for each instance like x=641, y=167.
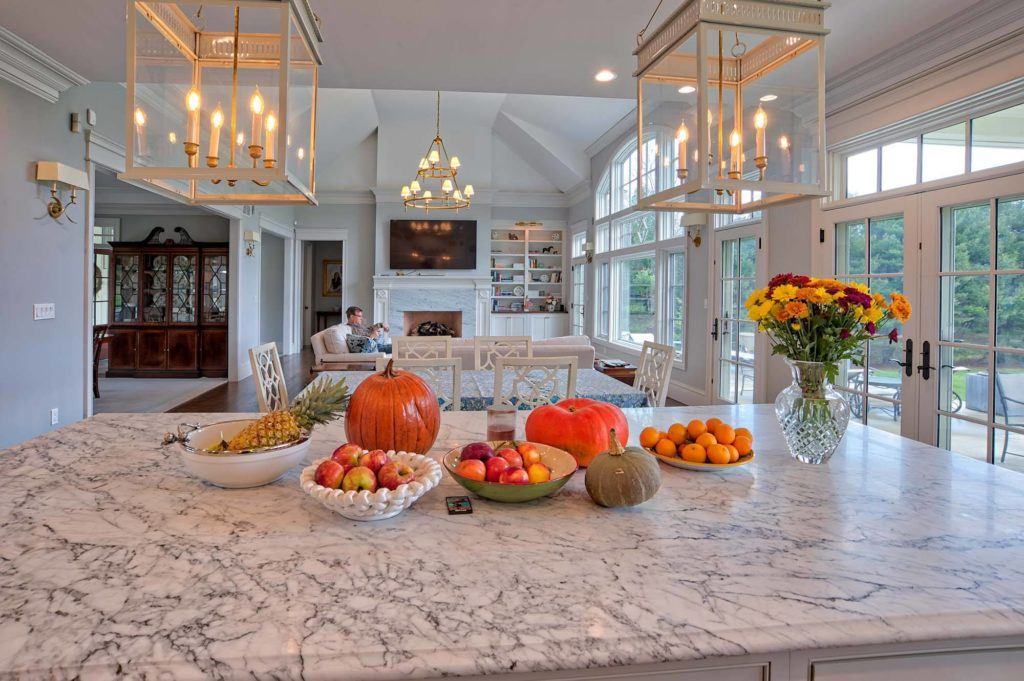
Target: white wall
x=271, y=251
x=354, y=224
x=211, y=228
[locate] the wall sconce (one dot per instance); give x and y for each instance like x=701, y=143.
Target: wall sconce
x=696, y=220
x=60, y=176
x=250, y=239
x=588, y=250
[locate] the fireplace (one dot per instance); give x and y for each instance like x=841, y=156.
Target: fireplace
x=451, y=318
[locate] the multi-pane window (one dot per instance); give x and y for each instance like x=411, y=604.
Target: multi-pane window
x=676, y=300
x=603, y=198
x=579, y=240
x=579, y=286
x=604, y=297
x=603, y=241
x=735, y=331
x=989, y=141
x=635, y=303
x=635, y=229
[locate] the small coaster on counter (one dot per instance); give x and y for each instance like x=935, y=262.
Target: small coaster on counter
x=458, y=505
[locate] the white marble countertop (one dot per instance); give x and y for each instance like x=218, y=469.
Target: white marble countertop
x=113, y=559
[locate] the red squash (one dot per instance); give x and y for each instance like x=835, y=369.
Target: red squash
x=393, y=410
x=579, y=426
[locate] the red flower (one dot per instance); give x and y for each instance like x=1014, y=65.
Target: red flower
x=797, y=280
x=894, y=336
x=855, y=297
x=844, y=333
x=870, y=327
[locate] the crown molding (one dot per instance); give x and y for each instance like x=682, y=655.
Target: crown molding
x=500, y=199
x=276, y=227
x=31, y=69
x=580, y=192
x=973, y=30
x=346, y=197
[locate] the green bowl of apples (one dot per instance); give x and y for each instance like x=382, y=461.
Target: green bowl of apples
x=521, y=471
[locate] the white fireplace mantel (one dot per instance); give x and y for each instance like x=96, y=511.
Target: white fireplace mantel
x=471, y=295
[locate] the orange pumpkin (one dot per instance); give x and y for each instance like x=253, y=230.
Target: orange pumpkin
x=579, y=426
x=393, y=410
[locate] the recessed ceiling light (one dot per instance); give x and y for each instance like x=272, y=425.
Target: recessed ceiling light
x=604, y=75
x=687, y=89
x=769, y=98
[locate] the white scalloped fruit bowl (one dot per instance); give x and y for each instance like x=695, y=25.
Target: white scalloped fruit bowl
x=384, y=503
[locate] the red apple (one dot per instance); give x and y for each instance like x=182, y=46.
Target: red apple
x=514, y=476
x=474, y=469
x=395, y=473
x=514, y=458
x=538, y=472
x=495, y=466
x=477, y=450
x=360, y=478
x=529, y=452
x=374, y=460
x=348, y=453
x=329, y=474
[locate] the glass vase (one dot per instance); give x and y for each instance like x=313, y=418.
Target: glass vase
x=813, y=415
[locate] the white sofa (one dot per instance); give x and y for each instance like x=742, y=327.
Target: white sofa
x=350, y=360
x=562, y=346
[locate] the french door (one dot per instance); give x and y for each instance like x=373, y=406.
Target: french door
x=735, y=377
x=956, y=378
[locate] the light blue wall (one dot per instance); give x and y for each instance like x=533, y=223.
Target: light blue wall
x=272, y=289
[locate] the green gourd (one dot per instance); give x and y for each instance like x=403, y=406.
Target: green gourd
x=623, y=477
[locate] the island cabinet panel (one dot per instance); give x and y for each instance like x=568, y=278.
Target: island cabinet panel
x=123, y=349
x=152, y=349
x=977, y=665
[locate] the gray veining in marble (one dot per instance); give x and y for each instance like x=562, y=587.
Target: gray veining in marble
x=406, y=299
x=112, y=557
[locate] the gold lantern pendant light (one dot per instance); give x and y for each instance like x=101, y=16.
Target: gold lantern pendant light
x=437, y=170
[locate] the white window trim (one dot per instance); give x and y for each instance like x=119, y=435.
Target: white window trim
x=665, y=314
x=613, y=323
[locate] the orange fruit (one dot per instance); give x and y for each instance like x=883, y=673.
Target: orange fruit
x=665, y=447
x=649, y=437
x=734, y=454
x=743, y=444
x=677, y=433
x=718, y=454
x=724, y=434
x=705, y=440
x=694, y=454
x=743, y=432
x=695, y=429
x=713, y=423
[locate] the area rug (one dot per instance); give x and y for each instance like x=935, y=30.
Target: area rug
x=146, y=395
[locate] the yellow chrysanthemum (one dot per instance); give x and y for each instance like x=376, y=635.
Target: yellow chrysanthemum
x=796, y=326
x=871, y=314
x=761, y=310
x=755, y=297
x=900, y=307
x=784, y=293
x=860, y=287
x=827, y=283
x=815, y=294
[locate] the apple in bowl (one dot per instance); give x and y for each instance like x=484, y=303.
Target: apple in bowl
x=518, y=471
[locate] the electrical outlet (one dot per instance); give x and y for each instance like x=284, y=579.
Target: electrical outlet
x=44, y=311
x=54, y=416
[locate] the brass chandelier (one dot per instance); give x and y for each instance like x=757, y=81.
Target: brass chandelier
x=438, y=170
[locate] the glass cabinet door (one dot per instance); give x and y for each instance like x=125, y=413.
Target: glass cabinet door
x=183, y=289
x=126, y=288
x=154, y=288
x=215, y=288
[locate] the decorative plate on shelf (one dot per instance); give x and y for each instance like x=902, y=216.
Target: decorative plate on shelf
x=556, y=236
x=518, y=290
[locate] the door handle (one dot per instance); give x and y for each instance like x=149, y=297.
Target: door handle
x=908, y=358
x=714, y=329
x=925, y=369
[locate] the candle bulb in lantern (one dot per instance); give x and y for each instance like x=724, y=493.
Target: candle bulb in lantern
x=256, y=106
x=682, y=135
x=735, y=149
x=269, y=141
x=760, y=154
x=140, y=131
x=192, y=102
x=216, y=123
x=787, y=159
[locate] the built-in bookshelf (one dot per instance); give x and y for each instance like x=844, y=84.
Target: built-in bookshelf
x=527, y=265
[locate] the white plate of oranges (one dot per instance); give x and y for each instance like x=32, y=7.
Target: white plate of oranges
x=700, y=445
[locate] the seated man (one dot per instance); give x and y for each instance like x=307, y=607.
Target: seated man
x=365, y=338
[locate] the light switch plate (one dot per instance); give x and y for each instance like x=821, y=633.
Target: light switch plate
x=54, y=416
x=44, y=311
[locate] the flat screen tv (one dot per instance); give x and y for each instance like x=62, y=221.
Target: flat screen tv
x=433, y=244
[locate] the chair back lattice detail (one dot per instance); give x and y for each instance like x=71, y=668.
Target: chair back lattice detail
x=534, y=382
x=653, y=372
x=442, y=374
x=421, y=347
x=271, y=390
x=488, y=348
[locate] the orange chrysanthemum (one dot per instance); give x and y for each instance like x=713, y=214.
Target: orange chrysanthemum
x=796, y=309
x=900, y=307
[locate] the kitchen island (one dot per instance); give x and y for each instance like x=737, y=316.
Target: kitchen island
x=114, y=561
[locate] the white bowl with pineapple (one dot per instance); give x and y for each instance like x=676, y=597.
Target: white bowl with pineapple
x=257, y=451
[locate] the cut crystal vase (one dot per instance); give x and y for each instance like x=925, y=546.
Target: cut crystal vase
x=813, y=415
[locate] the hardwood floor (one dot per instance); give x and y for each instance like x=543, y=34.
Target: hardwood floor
x=241, y=396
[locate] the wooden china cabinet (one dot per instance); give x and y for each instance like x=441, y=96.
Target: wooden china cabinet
x=169, y=307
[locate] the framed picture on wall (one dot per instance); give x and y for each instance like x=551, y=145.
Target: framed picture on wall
x=332, y=278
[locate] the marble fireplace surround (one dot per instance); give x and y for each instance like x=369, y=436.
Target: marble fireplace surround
x=393, y=296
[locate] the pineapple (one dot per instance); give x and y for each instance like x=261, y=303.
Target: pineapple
x=321, y=403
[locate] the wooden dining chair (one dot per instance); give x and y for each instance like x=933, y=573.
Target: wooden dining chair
x=271, y=390
x=487, y=348
x=100, y=337
x=421, y=347
x=534, y=382
x=654, y=371
x=442, y=374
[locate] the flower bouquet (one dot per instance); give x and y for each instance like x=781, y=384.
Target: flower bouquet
x=815, y=324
